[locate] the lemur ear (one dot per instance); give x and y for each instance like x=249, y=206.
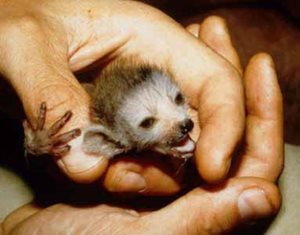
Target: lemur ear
x=97, y=140
x=89, y=87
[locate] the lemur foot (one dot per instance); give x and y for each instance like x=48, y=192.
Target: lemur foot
x=41, y=141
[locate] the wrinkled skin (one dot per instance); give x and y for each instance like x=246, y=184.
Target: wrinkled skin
x=250, y=193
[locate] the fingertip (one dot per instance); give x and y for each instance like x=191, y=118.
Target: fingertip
x=262, y=84
x=194, y=29
x=85, y=174
x=263, y=65
x=212, y=166
x=81, y=167
x=43, y=106
x=264, y=58
x=217, y=23
x=219, y=137
x=77, y=132
x=260, y=201
x=214, y=32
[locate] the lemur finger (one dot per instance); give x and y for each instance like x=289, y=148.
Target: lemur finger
x=60, y=151
x=66, y=137
x=41, y=117
x=60, y=123
x=27, y=127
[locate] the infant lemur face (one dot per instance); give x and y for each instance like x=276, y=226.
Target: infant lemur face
x=138, y=106
x=155, y=115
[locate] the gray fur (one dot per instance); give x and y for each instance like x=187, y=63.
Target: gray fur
x=123, y=95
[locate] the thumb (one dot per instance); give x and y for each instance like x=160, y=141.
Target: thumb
x=219, y=209
x=39, y=72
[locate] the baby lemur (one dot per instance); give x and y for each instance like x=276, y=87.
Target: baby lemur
x=133, y=107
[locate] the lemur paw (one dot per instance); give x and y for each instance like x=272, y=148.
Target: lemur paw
x=41, y=141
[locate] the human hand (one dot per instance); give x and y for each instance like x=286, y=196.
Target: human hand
x=44, y=42
x=249, y=195
x=261, y=120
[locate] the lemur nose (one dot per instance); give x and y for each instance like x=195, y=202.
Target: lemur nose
x=186, y=126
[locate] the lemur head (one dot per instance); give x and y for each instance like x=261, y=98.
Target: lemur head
x=153, y=115
x=139, y=107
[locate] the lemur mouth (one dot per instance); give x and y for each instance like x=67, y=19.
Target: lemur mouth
x=184, y=148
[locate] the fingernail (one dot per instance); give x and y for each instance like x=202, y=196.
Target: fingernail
x=253, y=204
x=130, y=182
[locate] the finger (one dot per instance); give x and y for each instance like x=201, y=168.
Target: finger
x=215, y=34
x=59, y=124
x=219, y=104
x=209, y=211
x=143, y=174
x=194, y=29
x=39, y=71
x=41, y=117
x=218, y=209
x=221, y=119
x=66, y=137
x=264, y=129
x=61, y=151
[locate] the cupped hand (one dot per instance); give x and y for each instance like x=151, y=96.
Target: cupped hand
x=249, y=194
x=43, y=43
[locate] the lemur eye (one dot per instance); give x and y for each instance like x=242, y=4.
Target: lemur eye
x=147, y=122
x=179, y=99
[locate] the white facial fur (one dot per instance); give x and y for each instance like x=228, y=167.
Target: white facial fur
x=153, y=98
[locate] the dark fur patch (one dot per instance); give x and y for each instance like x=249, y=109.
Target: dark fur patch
x=113, y=84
